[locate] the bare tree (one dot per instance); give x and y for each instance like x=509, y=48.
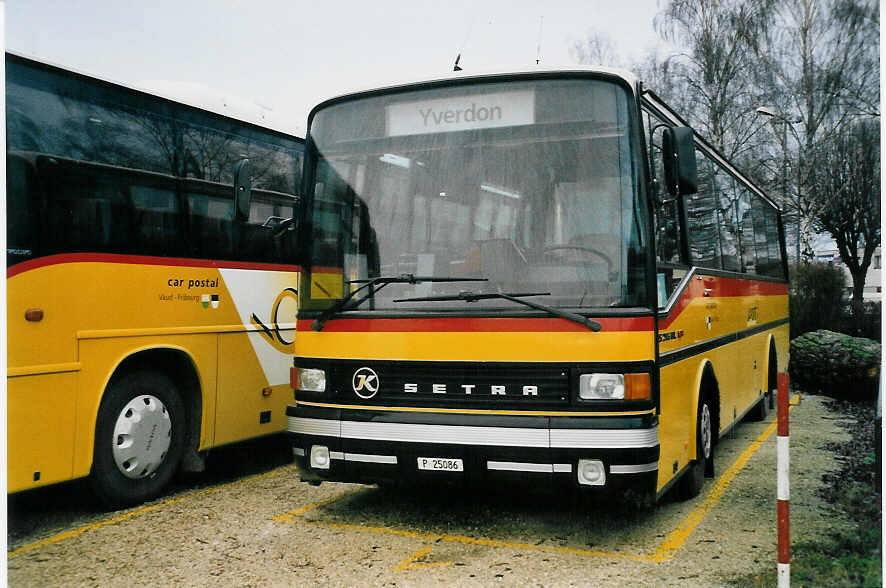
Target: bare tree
x=715, y=68
x=819, y=63
x=597, y=49
x=666, y=75
x=847, y=175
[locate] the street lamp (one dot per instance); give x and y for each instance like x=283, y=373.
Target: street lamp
x=772, y=114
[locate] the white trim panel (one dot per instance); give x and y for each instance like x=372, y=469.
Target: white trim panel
x=603, y=438
x=634, y=469
x=471, y=435
x=324, y=427
x=448, y=434
x=515, y=466
x=367, y=458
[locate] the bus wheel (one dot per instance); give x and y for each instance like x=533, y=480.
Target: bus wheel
x=692, y=481
x=761, y=409
x=767, y=403
x=139, y=439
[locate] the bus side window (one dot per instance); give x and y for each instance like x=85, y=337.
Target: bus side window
x=748, y=245
x=768, y=250
x=210, y=218
x=158, y=228
x=22, y=205
x=81, y=200
x=704, y=217
x=270, y=233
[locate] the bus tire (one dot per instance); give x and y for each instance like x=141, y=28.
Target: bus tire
x=767, y=402
x=139, y=438
x=692, y=481
x=761, y=409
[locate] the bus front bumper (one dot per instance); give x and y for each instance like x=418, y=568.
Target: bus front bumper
x=348, y=445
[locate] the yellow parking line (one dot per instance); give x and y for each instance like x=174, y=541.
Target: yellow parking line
x=289, y=517
x=139, y=511
x=410, y=563
x=475, y=540
x=676, y=538
x=86, y=528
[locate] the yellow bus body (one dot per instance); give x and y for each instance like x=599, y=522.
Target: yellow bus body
x=740, y=366
x=99, y=310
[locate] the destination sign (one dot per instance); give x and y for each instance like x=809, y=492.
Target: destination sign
x=461, y=113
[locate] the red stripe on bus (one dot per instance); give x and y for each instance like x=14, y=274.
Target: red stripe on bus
x=719, y=287
x=468, y=324
x=64, y=258
x=743, y=287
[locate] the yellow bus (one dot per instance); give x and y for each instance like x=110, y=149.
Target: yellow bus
x=151, y=282
x=539, y=275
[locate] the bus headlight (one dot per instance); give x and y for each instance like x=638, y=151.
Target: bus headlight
x=614, y=387
x=601, y=387
x=312, y=380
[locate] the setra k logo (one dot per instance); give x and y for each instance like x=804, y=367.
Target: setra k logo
x=365, y=383
x=272, y=333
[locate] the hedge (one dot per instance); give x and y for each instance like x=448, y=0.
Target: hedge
x=836, y=364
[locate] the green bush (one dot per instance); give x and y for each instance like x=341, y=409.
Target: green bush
x=836, y=364
x=817, y=298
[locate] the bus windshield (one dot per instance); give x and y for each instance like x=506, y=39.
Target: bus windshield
x=531, y=185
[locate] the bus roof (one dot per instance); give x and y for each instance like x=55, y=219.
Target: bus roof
x=629, y=78
x=192, y=95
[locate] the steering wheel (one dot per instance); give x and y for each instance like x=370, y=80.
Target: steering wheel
x=591, y=250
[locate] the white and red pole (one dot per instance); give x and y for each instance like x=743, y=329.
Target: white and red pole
x=784, y=488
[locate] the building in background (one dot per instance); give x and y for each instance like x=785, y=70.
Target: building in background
x=873, y=285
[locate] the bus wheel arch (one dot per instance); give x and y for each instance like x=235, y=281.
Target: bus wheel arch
x=147, y=421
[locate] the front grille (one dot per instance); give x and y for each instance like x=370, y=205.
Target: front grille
x=450, y=384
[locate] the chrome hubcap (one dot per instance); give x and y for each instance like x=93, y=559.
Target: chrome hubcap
x=705, y=432
x=142, y=435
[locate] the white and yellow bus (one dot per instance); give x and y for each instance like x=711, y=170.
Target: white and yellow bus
x=538, y=275
x=151, y=282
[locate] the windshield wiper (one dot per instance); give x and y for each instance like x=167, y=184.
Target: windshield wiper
x=513, y=297
x=381, y=282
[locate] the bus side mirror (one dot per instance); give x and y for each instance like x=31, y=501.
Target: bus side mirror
x=242, y=189
x=678, y=153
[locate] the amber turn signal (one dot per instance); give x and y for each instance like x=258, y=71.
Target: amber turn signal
x=637, y=387
x=34, y=315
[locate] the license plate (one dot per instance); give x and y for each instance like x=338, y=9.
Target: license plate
x=440, y=464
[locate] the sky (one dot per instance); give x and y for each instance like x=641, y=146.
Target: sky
x=270, y=61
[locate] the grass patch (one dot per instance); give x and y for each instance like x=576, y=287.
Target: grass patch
x=843, y=559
